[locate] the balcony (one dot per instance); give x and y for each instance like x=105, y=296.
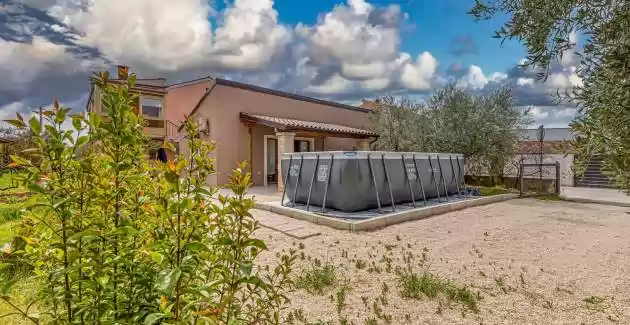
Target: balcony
x=155, y=128
x=161, y=129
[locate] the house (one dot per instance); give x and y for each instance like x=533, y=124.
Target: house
x=248, y=123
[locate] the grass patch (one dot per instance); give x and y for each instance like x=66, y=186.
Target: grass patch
x=22, y=294
x=417, y=286
x=7, y=231
x=10, y=212
x=316, y=279
x=490, y=191
x=11, y=182
x=549, y=197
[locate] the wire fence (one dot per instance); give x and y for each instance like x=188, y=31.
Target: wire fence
x=537, y=179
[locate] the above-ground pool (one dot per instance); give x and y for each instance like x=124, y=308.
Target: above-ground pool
x=362, y=180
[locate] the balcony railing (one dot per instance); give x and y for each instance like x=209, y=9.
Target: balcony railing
x=172, y=131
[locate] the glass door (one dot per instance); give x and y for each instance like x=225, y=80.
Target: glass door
x=272, y=161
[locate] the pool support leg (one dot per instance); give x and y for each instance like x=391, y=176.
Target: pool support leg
x=389, y=184
x=404, y=166
x=286, y=180
x=310, y=188
x=415, y=165
x=378, y=199
x=297, y=182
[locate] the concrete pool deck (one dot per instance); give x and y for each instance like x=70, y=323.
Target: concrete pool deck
x=595, y=195
x=372, y=222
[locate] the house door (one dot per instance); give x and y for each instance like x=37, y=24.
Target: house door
x=272, y=160
x=271, y=155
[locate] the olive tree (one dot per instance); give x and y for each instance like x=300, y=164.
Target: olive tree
x=483, y=127
x=546, y=29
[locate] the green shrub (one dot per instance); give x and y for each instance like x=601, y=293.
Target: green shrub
x=115, y=239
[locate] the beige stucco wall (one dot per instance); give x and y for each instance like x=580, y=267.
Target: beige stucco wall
x=511, y=168
x=180, y=100
x=225, y=104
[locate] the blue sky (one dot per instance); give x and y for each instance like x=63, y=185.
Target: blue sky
x=434, y=25
x=341, y=50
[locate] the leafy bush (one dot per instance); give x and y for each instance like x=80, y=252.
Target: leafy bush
x=119, y=240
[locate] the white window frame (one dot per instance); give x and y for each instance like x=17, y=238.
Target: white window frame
x=311, y=147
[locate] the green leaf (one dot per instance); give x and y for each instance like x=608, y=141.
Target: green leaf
x=256, y=243
x=156, y=257
x=82, y=140
x=5, y=288
x=102, y=280
x=34, y=187
x=195, y=246
x=60, y=202
x=167, y=279
x=224, y=241
x=17, y=123
x=36, y=127
x=153, y=318
x=20, y=161
x=126, y=230
x=245, y=268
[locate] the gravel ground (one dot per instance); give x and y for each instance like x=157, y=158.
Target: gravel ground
x=531, y=262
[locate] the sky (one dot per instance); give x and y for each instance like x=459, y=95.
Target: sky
x=340, y=50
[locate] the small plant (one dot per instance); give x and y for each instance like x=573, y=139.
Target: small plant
x=301, y=246
x=594, y=300
x=398, y=238
x=416, y=286
x=317, y=278
x=501, y=284
x=360, y=264
x=371, y=321
x=341, y=299
x=365, y=299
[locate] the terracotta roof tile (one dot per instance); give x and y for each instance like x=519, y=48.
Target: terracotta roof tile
x=288, y=123
x=548, y=147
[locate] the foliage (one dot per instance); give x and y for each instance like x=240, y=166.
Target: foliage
x=118, y=240
x=490, y=191
x=317, y=278
x=10, y=212
x=396, y=121
x=546, y=28
x=416, y=286
x=21, y=140
x=485, y=128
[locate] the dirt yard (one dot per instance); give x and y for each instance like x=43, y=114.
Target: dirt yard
x=525, y=262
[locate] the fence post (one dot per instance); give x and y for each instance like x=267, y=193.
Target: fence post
x=522, y=170
x=557, y=177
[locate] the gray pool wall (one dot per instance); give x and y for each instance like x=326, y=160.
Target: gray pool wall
x=351, y=186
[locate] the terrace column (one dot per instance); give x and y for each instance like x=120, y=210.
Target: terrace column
x=363, y=144
x=285, y=145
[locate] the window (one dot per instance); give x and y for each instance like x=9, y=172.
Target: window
x=151, y=108
x=302, y=146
